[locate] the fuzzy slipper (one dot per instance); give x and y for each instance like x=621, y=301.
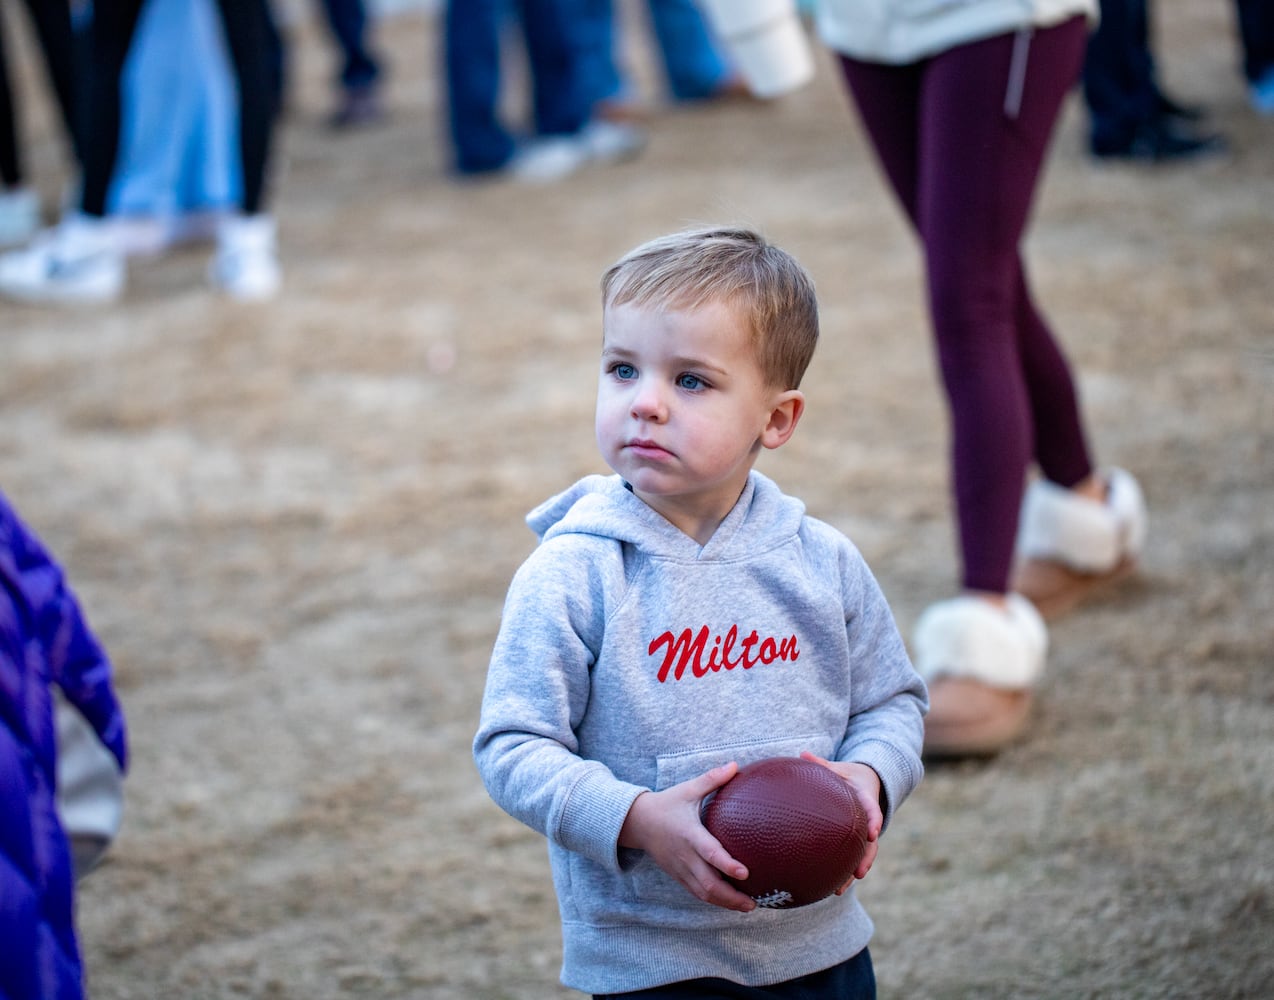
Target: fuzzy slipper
x=1070, y=545
x=981, y=664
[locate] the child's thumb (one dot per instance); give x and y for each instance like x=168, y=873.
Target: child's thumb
x=710, y=781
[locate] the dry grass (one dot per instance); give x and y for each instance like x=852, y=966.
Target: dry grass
x=293, y=526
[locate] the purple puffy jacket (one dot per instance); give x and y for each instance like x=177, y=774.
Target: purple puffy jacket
x=44, y=640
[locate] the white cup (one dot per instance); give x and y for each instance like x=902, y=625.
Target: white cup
x=766, y=42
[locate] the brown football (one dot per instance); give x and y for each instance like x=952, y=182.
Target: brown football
x=796, y=825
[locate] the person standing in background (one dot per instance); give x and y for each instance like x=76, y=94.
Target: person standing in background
x=960, y=102
x=1129, y=115
x=19, y=202
x=79, y=260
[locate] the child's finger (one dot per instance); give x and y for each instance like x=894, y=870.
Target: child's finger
x=720, y=859
x=712, y=888
x=710, y=781
x=869, y=858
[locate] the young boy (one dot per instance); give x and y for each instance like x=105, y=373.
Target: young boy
x=681, y=619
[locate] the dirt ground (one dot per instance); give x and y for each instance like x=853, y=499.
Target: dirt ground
x=293, y=526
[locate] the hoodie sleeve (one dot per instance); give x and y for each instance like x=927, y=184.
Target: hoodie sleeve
x=537, y=690
x=76, y=661
x=888, y=697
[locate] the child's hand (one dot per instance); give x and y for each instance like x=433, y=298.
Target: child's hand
x=666, y=826
x=865, y=783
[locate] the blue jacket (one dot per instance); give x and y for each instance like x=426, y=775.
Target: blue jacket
x=44, y=640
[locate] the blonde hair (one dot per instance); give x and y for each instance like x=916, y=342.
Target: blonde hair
x=773, y=293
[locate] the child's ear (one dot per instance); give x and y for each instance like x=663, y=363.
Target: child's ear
x=784, y=417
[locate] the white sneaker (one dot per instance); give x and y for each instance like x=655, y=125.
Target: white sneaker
x=153, y=235
x=613, y=142
x=246, y=264
x=76, y=262
x=547, y=160
x=19, y=216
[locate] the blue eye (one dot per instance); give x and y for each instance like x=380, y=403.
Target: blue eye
x=624, y=371
x=688, y=381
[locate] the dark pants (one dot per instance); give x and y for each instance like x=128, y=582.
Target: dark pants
x=851, y=980
x=249, y=38
x=1119, y=73
x=963, y=146
x=52, y=22
x=348, y=21
x=1256, y=34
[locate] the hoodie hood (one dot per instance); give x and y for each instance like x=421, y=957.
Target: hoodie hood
x=604, y=506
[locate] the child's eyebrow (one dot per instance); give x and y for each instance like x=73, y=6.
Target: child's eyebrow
x=699, y=363
x=678, y=361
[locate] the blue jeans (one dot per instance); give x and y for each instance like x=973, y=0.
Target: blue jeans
x=693, y=64
x=471, y=57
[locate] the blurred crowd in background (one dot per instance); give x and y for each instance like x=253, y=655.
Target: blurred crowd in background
x=170, y=108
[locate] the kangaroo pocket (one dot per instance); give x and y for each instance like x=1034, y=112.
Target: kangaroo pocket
x=647, y=883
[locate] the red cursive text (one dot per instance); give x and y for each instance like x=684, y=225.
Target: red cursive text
x=726, y=653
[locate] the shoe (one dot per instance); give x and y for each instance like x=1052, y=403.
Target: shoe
x=359, y=106
x=981, y=664
x=76, y=262
x=610, y=141
x=1169, y=107
x=19, y=216
x=622, y=110
x=152, y=235
x=246, y=263
x=549, y=159
x=1261, y=93
x=1069, y=545
x=140, y=235
x=1157, y=141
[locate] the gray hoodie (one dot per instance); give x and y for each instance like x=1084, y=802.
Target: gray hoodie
x=630, y=658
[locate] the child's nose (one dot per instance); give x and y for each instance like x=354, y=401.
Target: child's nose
x=648, y=401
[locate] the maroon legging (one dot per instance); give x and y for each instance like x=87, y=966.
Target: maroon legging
x=962, y=137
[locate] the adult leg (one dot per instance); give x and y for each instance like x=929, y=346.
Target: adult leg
x=52, y=21
x=972, y=213
x=359, y=101
x=471, y=61
x=113, y=25
x=247, y=26
x=1256, y=35
x=1119, y=74
x=1129, y=115
x=11, y=172
x=1003, y=372
x=81, y=261
x=348, y=22
x=560, y=98
x=1060, y=447
x=595, y=35
x=693, y=64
